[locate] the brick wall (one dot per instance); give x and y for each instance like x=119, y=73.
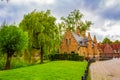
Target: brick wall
x=68, y=43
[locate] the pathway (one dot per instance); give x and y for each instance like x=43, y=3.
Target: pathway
x=105, y=70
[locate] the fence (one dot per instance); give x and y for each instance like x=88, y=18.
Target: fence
x=84, y=77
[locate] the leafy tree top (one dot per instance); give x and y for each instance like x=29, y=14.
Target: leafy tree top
x=74, y=20
x=40, y=26
x=12, y=39
x=41, y=29
x=116, y=42
x=106, y=40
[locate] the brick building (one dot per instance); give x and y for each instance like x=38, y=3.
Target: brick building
x=76, y=42
x=109, y=50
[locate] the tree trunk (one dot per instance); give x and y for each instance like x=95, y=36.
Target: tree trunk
x=41, y=55
x=9, y=57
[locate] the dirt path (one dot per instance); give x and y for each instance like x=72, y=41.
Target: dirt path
x=105, y=70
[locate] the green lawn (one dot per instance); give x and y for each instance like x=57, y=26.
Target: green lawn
x=56, y=70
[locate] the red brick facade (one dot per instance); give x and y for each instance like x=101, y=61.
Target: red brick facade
x=109, y=50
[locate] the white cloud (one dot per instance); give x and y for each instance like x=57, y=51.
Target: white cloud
x=101, y=27
x=109, y=3
x=110, y=29
x=32, y=1
x=115, y=29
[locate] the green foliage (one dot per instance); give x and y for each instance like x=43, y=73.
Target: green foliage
x=74, y=20
x=42, y=31
x=12, y=39
x=15, y=63
x=106, y=40
x=116, y=41
x=41, y=28
x=56, y=70
x=2, y=62
x=89, y=77
x=72, y=56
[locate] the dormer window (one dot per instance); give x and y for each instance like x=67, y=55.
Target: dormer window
x=80, y=42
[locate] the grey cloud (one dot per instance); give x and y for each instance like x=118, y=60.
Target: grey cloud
x=103, y=29
x=112, y=13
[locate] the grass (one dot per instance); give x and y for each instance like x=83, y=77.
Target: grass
x=55, y=70
x=89, y=78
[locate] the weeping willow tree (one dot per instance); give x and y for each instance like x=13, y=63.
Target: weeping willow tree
x=74, y=20
x=42, y=31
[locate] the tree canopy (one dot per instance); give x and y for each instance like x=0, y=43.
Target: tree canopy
x=12, y=39
x=74, y=20
x=116, y=41
x=106, y=40
x=41, y=29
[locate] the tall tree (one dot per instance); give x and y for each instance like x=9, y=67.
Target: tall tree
x=106, y=40
x=41, y=30
x=12, y=39
x=74, y=20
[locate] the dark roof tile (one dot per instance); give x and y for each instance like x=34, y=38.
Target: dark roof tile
x=80, y=40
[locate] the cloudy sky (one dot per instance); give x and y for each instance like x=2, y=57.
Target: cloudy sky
x=105, y=14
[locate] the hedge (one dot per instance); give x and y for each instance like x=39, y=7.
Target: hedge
x=72, y=56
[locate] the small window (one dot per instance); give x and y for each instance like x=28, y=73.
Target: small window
x=68, y=41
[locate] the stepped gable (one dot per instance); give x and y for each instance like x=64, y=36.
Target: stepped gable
x=80, y=40
x=108, y=48
x=113, y=46
x=116, y=47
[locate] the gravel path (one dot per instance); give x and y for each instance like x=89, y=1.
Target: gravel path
x=105, y=70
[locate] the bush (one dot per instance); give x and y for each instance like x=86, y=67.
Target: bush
x=2, y=62
x=15, y=62
x=72, y=56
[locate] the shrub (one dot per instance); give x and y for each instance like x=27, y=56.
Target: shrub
x=15, y=63
x=2, y=62
x=72, y=56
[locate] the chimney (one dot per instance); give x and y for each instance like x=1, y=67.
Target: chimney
x=89, y=36
x=84, y=33
x=95, y=40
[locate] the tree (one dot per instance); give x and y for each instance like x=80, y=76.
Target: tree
x=106, y=40
x=116, y=41
x=73, y=21
x=12, y=39
x=41, y=29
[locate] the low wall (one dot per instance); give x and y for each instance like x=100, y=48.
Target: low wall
x=109, y=55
